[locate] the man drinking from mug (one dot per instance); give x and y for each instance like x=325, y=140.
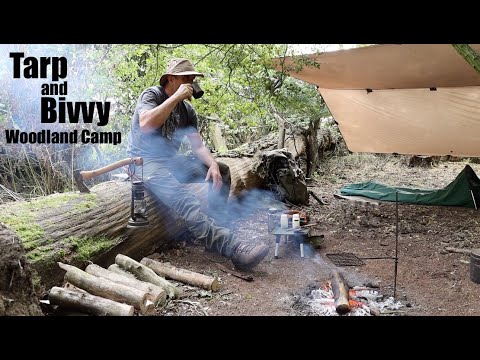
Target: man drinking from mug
x=161, y=120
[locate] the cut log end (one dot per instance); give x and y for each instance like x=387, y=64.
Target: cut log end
x=342, y=309
x=105, y=288
x=215, y=285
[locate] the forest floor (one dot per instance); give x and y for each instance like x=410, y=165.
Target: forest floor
x=431, y=280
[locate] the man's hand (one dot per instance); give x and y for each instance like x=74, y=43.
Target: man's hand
x=184, y=92
x=206, y=157
x=214, y=173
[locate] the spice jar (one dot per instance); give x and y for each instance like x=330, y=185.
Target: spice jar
x=295, y=221
x=284, y=221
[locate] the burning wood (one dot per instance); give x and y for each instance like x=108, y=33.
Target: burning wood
x=340, y=293
x=362, y=302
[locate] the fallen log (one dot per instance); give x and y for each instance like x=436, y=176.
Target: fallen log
x=146, y=274
x=76, y=227
x=340, y=293
x=88, y=303
x=257, y=172
x=107, y=289
x=245, y=174
x=182, y=275
x=155, y=294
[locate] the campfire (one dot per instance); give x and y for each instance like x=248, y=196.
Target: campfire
x=362, y=302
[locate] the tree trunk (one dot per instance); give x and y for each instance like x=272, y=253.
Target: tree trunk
x=245, y=174
x=17, y=293
x=88, y=303
x=312, y=147
x=281, y=127
x=281, y=136
x=246, y=164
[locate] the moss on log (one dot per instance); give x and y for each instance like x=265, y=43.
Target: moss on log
x=75, y=228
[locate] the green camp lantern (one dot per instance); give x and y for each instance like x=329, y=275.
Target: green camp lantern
x=138, y=204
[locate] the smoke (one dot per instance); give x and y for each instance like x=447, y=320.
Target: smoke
x=320, y=261
x=23, y=95
x=250, y=201
x=85, y=81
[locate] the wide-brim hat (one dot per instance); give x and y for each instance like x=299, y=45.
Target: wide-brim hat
x=179, y=67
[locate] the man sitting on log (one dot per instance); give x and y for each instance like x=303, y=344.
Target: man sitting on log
x=161, y=119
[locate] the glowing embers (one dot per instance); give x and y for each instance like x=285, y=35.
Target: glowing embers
x=362, y=301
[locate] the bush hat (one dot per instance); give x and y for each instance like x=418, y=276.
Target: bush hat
x=179, y=66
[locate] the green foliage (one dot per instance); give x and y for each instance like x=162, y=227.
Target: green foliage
x=469, y=54
x=240, y=84
x=242, y=88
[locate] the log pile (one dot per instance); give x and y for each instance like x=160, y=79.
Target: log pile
x=125, y=288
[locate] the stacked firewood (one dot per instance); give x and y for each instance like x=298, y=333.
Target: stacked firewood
x=125, y=288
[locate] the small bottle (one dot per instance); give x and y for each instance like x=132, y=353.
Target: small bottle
x=284, y=221
x=295, y=221
x=272, y=223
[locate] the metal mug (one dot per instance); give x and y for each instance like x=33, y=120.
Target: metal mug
x=197, y=90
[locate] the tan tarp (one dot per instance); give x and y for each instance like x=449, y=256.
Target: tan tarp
x=401, y=114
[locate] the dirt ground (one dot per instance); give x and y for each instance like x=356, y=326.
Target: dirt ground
x=431, y=280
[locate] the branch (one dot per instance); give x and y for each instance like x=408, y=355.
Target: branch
x=469, y=55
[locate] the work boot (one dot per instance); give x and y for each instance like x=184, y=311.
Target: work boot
x=247, y=255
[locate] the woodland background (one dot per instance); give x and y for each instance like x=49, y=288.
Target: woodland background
x=245, y=99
